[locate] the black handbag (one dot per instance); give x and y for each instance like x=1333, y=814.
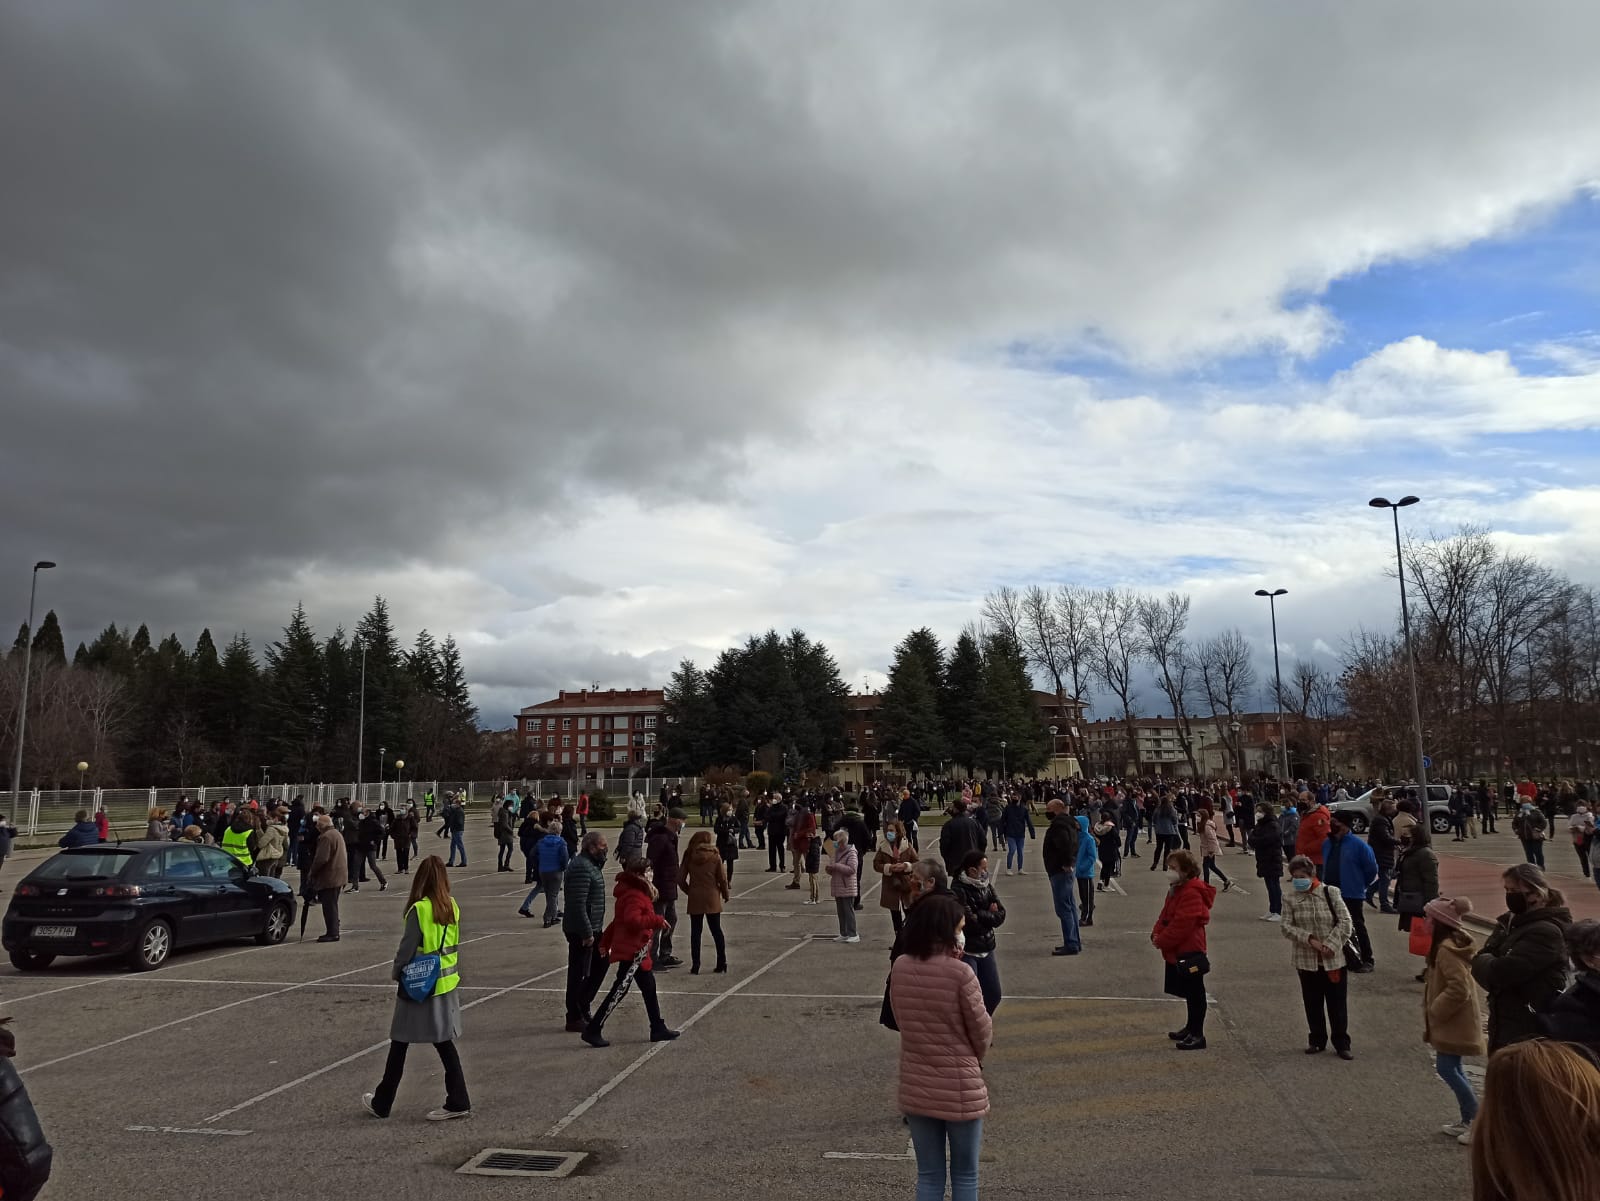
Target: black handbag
x=886, y=1015
x=1192, y=963
x=1411, y=904
x=1352, y=953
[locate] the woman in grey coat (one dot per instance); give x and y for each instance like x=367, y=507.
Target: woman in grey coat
x=437, y=1019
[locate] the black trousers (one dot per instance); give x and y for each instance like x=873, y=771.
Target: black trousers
x=775, y=852
x=729, y=858
x=1319, y=992
x=586, y=972
x=1194, y=999
x=663, y=947
x=1358, y=918
x=402, y=854
x=714, y=920
x=1085, y=899
x=503, y=860
x=619, y=989
x=328, y=898
x=371, y=860
x=455, y=1080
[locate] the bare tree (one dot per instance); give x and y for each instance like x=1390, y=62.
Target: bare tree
x=1055, y=639
x=1162, y=622
x=1227, y=676
x=1003, y=611
x=1312, y=695
x=1114, y=631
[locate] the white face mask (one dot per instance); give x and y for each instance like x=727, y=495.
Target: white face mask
x=961, y=940
x=1174, y=877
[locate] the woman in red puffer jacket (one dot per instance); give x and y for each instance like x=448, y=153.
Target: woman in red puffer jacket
x=1180, y=936
x=626, y=942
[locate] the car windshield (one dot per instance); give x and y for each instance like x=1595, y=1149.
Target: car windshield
x=99, y=864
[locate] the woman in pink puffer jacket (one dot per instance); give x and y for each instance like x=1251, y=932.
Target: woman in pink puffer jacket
x=944, y=1034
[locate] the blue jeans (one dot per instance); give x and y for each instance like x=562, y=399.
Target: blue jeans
x=928, y=1136
x=1014, y=847
x=1449, y=1069
x=1534, y=850
x=1382, y=890
x=1132, y=846
x=1064, y=891
x=457, y=845
x=987, y=969
x=1274, y=893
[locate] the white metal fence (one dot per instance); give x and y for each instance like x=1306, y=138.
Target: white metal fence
x=128, y=809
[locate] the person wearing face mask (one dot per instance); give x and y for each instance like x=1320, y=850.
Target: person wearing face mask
x=1416, y=874
x=1349, y=866
x=1451, y=1021
x=944, y=1035
x=1180, y=935
x=893, y=862
x=985, y=914
x=661, y=848
x=1523, y=964
x=581, y=923
x=1580, y=826
x=1060, y=854
x=1574, y=1016
x=1530, y=827
x=843, y=860
x=1317, y=922
x=626, y=943
x=703, y=879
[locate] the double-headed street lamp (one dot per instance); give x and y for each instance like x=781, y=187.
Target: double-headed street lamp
x=1277, y=672
x=27, y=671
x=1394, y=507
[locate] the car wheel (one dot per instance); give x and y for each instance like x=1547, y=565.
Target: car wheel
x=1358, y=824
x=1440, y=824
x=151, y=948
x=277, y=927
x=31, y=961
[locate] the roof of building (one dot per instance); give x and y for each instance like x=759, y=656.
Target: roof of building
x=610, y=698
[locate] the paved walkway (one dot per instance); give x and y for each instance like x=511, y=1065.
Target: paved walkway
x=1473, y=869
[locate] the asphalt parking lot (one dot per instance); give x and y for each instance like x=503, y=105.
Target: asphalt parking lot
x=237, y=1071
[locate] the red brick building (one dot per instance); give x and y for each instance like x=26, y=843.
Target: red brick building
x=597, y=733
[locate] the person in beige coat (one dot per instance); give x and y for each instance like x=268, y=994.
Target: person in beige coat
x=1452, y=1019
x=893, y=862
x=703, y=878
x=330, y=872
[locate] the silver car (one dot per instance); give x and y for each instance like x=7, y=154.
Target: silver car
x=1360, y=809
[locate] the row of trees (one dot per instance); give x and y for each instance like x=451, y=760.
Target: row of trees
x=779, y=701
x=163, y=714
x=1508, y=665
x=973, y=708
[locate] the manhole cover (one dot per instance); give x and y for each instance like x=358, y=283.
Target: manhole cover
x=508, y=1161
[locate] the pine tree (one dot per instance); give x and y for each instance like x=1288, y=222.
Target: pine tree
x=685, y=744
x=20, y=642
x=961, y=700
x=241, y=685
x=80, y=658
x=422, y=664
x=139, y=646
x=47, y=643
x=387, y=690
x=1007, y=713
x=908, y=716
x=822, y=738
x=292, y=700
x=110, y=650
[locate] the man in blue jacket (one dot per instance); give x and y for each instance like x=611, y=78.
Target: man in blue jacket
x=1349, y=865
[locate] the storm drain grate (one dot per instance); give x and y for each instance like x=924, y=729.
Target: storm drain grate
x=507, y=1161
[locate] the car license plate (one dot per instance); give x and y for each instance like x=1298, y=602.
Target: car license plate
x=56, y=931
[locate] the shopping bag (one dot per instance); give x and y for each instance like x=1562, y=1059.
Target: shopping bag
x=1421, y=935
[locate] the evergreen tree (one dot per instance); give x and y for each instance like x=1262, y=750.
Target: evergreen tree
x=422, y=664
x=387, y=689
x=1007, y=712
x=962, y=699
x=47, y=643
x=686, y=742
x=81, y=657
x=292, y=700
x=139, y=646
x=822, y=736
x=341, y=683
x=110, y=650
x=20, y=642
x=924, y=644
x=912, y=733
x=452, y=686
x=241, y=686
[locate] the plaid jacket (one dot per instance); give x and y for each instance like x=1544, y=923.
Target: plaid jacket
x=1319, y=913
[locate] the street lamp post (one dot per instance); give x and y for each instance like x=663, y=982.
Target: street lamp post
x=399, y=766
x=381, y=753
x=1200, y=737
x=1054, y=774
x=1277, y=673
x=83, y=770
x=361, y=724
x=27, y=672
x=1003, y=759
x=1394, y=507
x=1238, y=750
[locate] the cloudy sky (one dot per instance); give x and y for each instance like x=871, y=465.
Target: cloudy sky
x=605, y=334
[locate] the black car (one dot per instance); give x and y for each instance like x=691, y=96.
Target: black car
x=139, y=900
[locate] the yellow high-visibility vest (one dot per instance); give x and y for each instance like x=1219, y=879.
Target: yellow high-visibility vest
x=237, y=844
x=433, y=942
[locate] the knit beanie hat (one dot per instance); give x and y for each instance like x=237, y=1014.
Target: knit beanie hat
x=1447, y=911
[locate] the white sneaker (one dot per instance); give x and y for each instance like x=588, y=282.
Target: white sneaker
x=366, y=1104
x=1275, y=917
x=1465, y=1137
x=1009, y=871
x=444, y=1115
x=1456, y=1129
x=852, y=938
x=1020, y=872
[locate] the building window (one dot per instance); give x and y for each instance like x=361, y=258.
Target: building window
x=619, y=756
x=549, y=740
x=649, y=740
x=566, y=740
x=650, y=723
x=566, y=723
x=531, y=740
x=535, y=723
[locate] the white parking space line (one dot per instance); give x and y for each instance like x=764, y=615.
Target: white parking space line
x=594, y=1098
x=365, y=1051
x=277, y=992
x=50, y=992
x=909, y=1153
x=772, y=879
x=64, y=988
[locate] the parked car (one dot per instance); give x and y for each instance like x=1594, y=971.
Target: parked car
x=140, y=900
x=1360, y=809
